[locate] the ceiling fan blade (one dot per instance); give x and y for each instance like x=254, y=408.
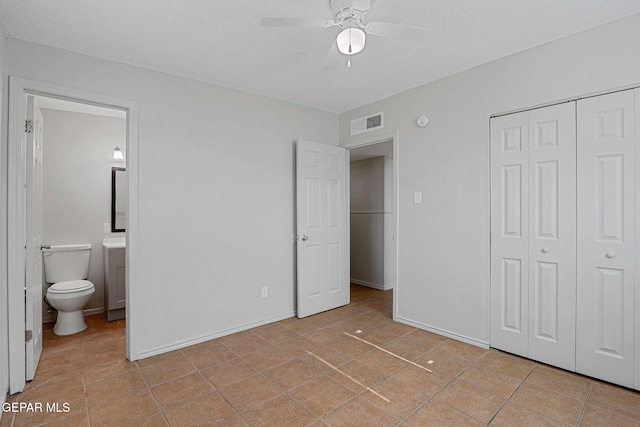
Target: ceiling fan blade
x=333, y=58
x=295, y=22
x=398, y=31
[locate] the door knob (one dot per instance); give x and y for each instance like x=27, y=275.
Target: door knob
x=611, y=254
x=545, y=250
x=305, y=238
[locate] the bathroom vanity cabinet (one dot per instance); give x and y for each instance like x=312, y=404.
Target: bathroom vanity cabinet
x=114, y=280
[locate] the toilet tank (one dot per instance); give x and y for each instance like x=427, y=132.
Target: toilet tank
x=66, y=262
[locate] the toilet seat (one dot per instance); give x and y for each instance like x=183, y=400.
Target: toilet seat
x=71, y=286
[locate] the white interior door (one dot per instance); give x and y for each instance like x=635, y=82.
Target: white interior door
x=605, y=315
x=321, y=205
x=552, y=235
x=33, y=255
x=510, y=233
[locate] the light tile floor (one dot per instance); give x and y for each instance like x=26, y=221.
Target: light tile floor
x=352, y=366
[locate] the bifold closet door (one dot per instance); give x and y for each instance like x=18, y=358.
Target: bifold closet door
x=533, y=234
x=606, y=227
x=510, y=233
x=552, y=235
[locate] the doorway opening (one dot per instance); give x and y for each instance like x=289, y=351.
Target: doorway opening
x=81, y=155
x=76, y=167
x=373, y=213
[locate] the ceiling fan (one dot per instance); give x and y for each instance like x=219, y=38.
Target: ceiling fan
x=349, y=16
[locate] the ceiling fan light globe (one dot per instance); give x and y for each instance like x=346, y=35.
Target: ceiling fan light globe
x=351, y=37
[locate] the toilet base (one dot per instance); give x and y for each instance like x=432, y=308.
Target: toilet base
x=69, y=323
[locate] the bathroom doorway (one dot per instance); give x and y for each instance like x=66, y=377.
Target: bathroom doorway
x=83, y=147
x=63, y=108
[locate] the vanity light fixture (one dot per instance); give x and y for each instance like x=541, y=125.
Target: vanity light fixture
x=118, y=154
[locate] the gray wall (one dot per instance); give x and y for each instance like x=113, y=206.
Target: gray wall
x=372, y=193
x=444, y=242
x=76, y=193
x=216, y=194
x=367, y=222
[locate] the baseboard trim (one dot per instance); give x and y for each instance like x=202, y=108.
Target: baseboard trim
x=371, y=285
x=182, y=344
x=88, y=312
x=452, y=335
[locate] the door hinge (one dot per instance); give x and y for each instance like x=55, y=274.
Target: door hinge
x=28, y=126
x=28, y=336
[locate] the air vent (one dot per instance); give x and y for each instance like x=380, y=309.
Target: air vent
x=366, y=124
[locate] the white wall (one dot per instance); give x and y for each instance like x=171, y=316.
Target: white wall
x=367, y=222
x=216, y=193
x=76, y=200
x=444, y=242
x=4, y=332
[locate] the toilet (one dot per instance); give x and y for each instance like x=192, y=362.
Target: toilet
x=66, y=267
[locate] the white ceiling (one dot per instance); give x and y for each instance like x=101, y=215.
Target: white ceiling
x=221, y=41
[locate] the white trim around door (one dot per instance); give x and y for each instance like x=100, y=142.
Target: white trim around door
x=18, y=88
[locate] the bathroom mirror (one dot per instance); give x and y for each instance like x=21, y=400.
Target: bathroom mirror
x=118, y=199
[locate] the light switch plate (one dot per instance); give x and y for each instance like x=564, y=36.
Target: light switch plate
x=417, y=197
x=106, y=228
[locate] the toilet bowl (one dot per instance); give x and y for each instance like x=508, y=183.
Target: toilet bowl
x=67, y=267
x=69, y=298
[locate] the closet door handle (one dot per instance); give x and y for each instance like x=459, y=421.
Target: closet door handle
x=545, y=250
x=304, y=238
x=611, y=254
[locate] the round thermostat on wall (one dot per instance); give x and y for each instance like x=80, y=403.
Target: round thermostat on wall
x=423, y=121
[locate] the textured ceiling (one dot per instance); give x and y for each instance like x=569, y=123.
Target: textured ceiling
x=221, y=41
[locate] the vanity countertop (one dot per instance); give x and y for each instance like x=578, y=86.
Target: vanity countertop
x=114, y=242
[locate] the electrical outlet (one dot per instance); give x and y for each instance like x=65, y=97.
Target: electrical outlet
x=264, y=292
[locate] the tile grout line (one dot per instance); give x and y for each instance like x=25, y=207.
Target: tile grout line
x=512, y=394
x=456, y=377
x=428, y=399
x=153, y=396
x=215, y=389
x=584, y=405
x=84, y=384
x=616, y=388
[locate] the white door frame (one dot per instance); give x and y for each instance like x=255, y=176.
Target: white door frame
x=394, y=137
x=18, y=88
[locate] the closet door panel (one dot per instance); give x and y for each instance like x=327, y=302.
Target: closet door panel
x=606, y=228
x=552, y=235
x=509, y=233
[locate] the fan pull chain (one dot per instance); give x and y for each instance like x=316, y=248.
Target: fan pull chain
x=349, y=59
